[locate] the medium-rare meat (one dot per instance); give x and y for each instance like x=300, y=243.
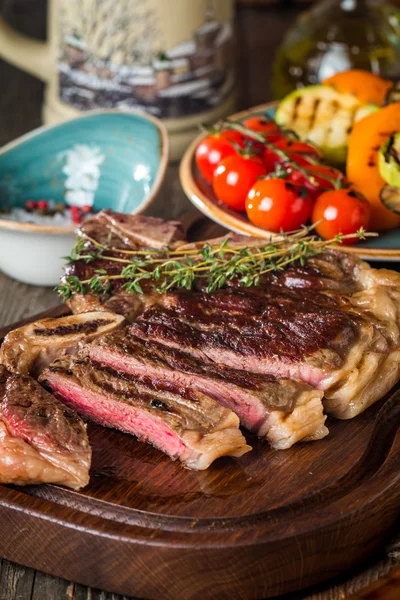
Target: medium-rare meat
x=185, y=424
x=288, y=333
x=281, y=410
x=30, y=348
x=41, y=441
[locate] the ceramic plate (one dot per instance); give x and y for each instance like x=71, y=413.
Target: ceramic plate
x=385, y=247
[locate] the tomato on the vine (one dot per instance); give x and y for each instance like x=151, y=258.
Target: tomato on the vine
x=320, y=178
x=234, y=176
x=213, y=148
x=341, y=211
x=300, y=152
x=262, y=125
x=278, y=205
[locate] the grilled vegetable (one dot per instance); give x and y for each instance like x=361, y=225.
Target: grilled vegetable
x=390, y=198
x=366, y=86
x=365, y=141
x=323, y=116
x=389, y=161
x=393, y=94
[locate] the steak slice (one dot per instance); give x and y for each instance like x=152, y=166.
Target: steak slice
x=280, y=410
x=119, y=230
x=342, y=351
x=41, y=441
x=30, y=348
x=185, y=424
x=285, y=336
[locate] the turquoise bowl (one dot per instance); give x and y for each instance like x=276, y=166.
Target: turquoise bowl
x=117, y=159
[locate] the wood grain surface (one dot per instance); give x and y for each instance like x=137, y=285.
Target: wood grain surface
x=263, y=525
x=258, y=31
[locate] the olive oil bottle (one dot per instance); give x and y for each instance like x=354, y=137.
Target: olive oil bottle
x=336, y=35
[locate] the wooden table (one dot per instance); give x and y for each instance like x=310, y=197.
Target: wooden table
x=258, y=31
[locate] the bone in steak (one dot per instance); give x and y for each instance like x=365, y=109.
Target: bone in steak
x=41, y=441
x=281, y=410
x=346, y=342
x=183, y=423
x=32, y=347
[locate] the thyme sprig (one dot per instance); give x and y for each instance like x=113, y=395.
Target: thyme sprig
x=216, y=264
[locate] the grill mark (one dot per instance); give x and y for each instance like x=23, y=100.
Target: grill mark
x=335, y=107
x=88, y=327
x=296, y=107
x=317, y=102
x=314, y=327
x=353, y=115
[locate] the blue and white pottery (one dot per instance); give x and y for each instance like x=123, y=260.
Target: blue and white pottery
x=107, y=159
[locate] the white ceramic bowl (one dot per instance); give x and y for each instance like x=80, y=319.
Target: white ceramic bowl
x=32, y=255
x=127, y=152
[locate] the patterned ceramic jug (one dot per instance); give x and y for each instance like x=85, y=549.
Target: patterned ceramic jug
x=172, y=58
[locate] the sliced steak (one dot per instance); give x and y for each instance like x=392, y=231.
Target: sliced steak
x=41, y=441
x=30, y=348
x=281, y=410
x=183, y=423
x=283, y=336
x=323, y=340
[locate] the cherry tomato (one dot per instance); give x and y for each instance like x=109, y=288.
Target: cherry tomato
x=261, y=125
x=30, y=205
x=233, y=178
x=213, y=148
x=298, y=151
x=278, y=205
x=326, y=178
x=340, y=211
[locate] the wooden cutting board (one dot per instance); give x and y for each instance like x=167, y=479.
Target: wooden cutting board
x=263, y=525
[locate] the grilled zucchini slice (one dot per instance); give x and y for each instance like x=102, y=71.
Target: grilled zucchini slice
x=390, y=198
x=389, y=161
x=323, y=116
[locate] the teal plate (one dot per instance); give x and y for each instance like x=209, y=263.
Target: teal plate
x=116, y=159
x=386, y=247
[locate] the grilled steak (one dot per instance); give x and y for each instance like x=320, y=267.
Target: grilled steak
x=32, y=347
x=41, y=441
x=183, y=423
x=128, y=305
x=281, y=410
x=317, y=338
x=117, y=231
x=281, y=336
x=333, y=322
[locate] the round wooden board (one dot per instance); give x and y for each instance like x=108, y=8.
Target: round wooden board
x=263, y=525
